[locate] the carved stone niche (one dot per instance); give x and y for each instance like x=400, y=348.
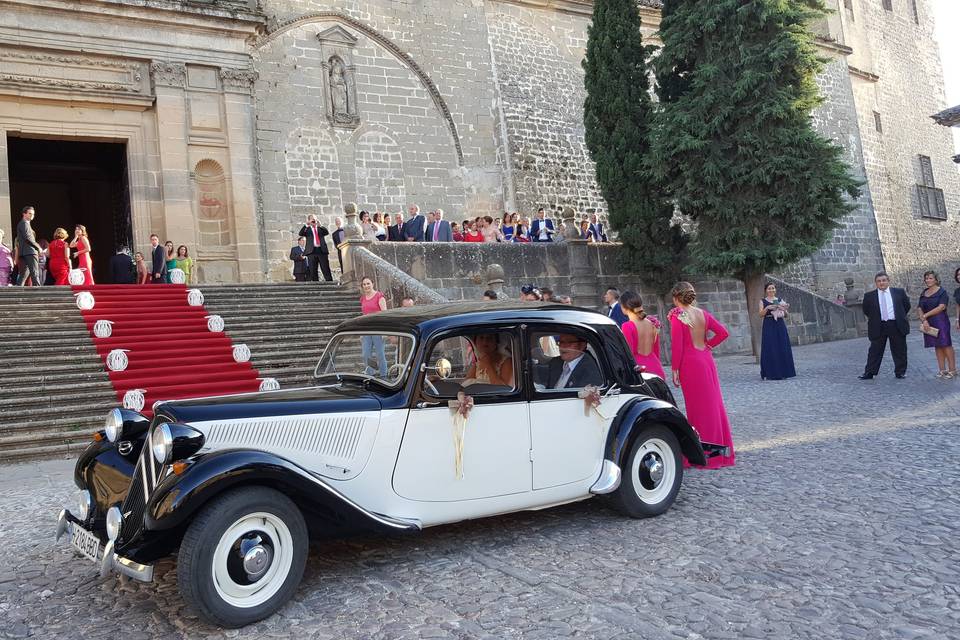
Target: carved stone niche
x=339, y=77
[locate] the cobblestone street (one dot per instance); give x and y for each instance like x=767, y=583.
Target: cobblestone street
x=839, y=521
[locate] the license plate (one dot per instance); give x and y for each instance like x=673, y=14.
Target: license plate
x=85, y=542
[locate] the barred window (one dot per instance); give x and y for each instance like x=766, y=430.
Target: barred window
x=926, y=171
x=877, y=123
x=931, y=200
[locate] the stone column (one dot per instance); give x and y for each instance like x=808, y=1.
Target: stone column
x=583, y=275
x=169, y=81
x=352, y=237
x=241, y=136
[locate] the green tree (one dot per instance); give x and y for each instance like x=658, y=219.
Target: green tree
x=735, y=141
x=618, y=117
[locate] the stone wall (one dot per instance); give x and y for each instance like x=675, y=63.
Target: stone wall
x=459, y=271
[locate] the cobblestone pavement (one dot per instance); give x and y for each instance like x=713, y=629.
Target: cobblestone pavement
x=839, y=521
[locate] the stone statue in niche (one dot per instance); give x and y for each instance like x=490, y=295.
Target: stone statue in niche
x=342, y=96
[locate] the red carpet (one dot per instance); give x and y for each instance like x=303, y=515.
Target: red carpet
x=171, y=354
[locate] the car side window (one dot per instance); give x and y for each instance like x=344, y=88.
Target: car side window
x=564, y=360
x=481, y=363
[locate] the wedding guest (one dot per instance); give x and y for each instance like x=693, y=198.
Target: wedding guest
x=406, y=301
x=956, y=294
x=489, y=295
x=776, y=355
x=59, y=262
x=529, y=293
x=395, y=233
x=695, y=372
x=121, y=267
x=586, y=233
x=507, y=228
x=414, y=228
x=611, y=298
x=158, y=260
x=642, y=333
x=542, y=229
x=935, y=324
x=185, y=263
x=489, y=231
x=455, y=232
x=6, y=262
x=440, y=230
x=170, y=259
x=81, y=243
x=546, y=294
x=299, y=260
x=143, y=276
x=521, y=233
x=886, y=310
x=369, y=229
x=372, y=301
x=565, y=300
x=337, y=236
x=599, y=233
x=43, y=259
x=27, y=251
x=377, y=222
x=316, y=251
x=473, y=233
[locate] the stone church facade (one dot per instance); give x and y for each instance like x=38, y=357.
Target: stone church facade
x=219, y=124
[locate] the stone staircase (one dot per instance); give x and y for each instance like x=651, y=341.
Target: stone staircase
x=54, y=390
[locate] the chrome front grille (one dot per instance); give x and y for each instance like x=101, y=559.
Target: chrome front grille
x=146, y=476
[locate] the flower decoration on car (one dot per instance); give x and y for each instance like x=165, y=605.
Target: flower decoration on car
x=462, y=407
x=591, y=400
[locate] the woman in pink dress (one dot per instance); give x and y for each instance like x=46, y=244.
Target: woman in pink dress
x=81, y=243
x=59, y=261
x=642, y=333
x=695, y=372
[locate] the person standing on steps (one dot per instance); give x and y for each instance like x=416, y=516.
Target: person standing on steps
x=122, y=267
x=158, y=259
x=143, y=276
x=170, y=260
x=299, y=260
x=59, y=262
x=6, y=262
x=29, y=249
x=337, y=236
x=316, y=249
x=886, y=309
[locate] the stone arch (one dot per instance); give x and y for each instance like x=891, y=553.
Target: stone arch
x=214, y=225
x=405, y=58
x=313, y=173
x=378, y=162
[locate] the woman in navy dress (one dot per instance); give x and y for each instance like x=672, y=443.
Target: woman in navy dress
x=932, y=309
x=776, y=355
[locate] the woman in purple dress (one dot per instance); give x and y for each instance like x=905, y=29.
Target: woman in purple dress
x=932, y=309
x=6, y=262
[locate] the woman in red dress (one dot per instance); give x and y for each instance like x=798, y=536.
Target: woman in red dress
x=695, y=372
x=81, y=243
x=59, y=261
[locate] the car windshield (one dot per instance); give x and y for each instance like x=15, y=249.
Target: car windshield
x=382, y=358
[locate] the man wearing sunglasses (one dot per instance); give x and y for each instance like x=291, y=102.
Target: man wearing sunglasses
x=574, y=368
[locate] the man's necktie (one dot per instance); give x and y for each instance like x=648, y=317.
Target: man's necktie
x=436, y=230
x=564, y=376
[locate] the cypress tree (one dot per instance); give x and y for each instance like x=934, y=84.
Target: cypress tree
x=618, y=117
x=735, y=141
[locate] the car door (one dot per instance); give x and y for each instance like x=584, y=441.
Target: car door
x=495, y=454
x=567, y=438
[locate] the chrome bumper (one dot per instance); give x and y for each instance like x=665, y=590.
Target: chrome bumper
x=609, y=479
x=110, y=560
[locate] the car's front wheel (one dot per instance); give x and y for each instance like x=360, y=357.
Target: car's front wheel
x=243, y=556
x=652, y=474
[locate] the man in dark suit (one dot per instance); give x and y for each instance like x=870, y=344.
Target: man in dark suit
x=395, y=232
x=542, y=229
x=158, y=257
x=299, y=260
x=574, y=368
x=612, y=299
x=886, y=309
x=318, y=255
x=414, y=227
x=122, y=269
x=29, y=249
x=439, y=230
x=596, y=227
x=338, y=235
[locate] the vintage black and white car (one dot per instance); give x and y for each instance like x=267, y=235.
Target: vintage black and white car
x=420, y=417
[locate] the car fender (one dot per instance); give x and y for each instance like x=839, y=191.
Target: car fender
x=635, y=414
x=179, y=496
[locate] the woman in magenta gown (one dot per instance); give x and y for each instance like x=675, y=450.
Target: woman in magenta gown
x=695, y=372
x=82, y=245
x=642, y=333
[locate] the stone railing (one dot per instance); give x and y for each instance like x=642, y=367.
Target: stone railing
x=359, y=262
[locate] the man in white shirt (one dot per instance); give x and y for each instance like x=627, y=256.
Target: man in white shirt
x=886, y=309
x=542, y=230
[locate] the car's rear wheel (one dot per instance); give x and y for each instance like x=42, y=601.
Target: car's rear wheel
x=652, y=474
x=243, y=556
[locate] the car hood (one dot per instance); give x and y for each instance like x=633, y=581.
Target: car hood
x=310, y=400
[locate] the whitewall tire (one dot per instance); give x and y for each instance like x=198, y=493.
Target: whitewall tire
x=242, y=556
x=652, y=474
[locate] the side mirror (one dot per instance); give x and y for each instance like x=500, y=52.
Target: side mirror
x=441, y=367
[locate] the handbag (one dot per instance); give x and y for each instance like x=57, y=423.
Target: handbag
x=930, y=331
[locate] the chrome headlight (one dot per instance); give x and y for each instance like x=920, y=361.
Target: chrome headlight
x=114, y=523
x=114, y=425
x=161, y=442
x=84, y=504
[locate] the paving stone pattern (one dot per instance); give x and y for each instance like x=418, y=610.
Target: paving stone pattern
x=838, y=522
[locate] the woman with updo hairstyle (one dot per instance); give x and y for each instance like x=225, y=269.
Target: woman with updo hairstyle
x=642, y=333
x=695, y=372
x=81, y=242
x=59, y=262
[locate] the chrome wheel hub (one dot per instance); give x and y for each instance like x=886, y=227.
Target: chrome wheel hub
x=256, y=560
x=654, y=468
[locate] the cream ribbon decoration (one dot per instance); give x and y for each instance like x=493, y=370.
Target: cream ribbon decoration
x=591, y=397
x=103, y=328
x=462, y=407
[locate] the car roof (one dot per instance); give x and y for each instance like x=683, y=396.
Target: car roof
x=426, y=319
